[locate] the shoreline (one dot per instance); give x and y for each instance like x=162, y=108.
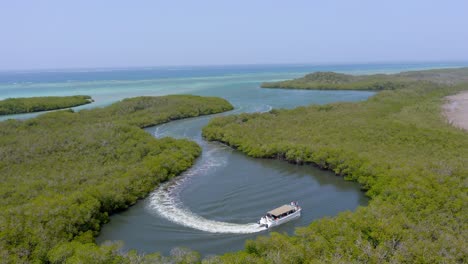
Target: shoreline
x=456, y=110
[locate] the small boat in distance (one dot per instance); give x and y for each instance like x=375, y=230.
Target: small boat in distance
x=280, y=215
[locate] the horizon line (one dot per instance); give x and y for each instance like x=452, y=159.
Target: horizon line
x=112, y=68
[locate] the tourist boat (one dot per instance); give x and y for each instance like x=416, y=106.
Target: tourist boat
x=280, y=215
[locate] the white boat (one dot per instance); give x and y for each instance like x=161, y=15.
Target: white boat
x=280, y=215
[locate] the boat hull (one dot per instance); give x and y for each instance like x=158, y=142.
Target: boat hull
x=269, y=223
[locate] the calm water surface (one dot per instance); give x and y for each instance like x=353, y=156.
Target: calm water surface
x=225, y=187
x=212, y=207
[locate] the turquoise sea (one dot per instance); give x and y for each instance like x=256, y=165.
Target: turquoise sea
x=109, y=85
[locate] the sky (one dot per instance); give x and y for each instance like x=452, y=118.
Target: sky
x=56, y=34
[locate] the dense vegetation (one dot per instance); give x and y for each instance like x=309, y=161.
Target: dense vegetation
x=340, y=81
x=36, y=104
x=398, y=146
x=63, y=173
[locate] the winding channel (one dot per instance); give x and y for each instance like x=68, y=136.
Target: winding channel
x=213, y=207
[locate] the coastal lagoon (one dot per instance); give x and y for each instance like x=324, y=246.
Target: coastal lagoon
x=211, y=207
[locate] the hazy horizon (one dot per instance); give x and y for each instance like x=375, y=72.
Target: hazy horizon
x=449, y=64
x=54, y=35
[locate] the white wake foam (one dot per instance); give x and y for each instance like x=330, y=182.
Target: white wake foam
x=262, y=108
x=268, y=109
x=166, y=206
x=166, y=203
x=160, y=131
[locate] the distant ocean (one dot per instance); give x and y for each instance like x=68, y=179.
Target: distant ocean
x=148, y=73
x=109, y=85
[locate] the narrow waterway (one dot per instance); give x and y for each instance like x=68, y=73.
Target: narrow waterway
x=213, y=207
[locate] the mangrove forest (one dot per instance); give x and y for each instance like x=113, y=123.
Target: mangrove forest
x=376, y=82
x=397, y=145
x=11, y=106
x=63, y=173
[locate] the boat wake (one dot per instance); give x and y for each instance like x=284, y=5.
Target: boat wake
x=166, y=203
x=261, y=108
x=268, y=109
x=160, y=131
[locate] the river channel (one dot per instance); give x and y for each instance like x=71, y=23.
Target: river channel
x=213, y=207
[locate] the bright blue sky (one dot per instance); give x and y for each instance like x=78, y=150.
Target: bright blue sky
x=120, y=33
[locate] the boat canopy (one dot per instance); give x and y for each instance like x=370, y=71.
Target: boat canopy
x=281, y=210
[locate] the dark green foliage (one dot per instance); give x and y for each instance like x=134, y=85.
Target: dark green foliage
x=36, y=104
x=63, y=173
x=147, y=111
x=398, y=146
x=377, y=82
x=339, y=81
